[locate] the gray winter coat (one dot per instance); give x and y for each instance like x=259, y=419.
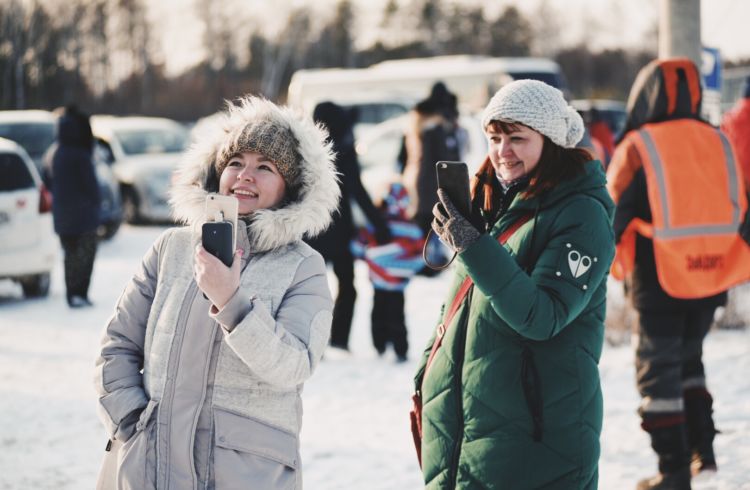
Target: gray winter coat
x=195, y=398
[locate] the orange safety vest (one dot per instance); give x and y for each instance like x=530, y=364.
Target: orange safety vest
x=697, y=198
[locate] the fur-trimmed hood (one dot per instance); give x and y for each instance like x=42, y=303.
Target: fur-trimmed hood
x=317, y=199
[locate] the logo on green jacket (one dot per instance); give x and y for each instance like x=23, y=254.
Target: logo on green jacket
x=577, y=262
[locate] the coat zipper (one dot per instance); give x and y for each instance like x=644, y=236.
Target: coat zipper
x=459, y=388
x=169, y=397
x=200, y=409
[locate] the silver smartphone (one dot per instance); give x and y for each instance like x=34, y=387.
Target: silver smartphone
x=223, y=208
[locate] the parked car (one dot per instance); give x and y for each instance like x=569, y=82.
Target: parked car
x=143, y=153
x=35, y=130
x=28, y=245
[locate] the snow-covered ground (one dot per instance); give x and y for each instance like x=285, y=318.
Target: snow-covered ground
x=356, y=430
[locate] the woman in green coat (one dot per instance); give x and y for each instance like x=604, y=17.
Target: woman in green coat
x=511, y=398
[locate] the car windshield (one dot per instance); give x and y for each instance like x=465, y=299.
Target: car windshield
x=142, y=141
x=374, y=113
x=34, y=137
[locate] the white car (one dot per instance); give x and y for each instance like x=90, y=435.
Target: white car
x=28, y=244
x=143, y=153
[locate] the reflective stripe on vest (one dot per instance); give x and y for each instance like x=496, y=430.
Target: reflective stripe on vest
x=669, y=231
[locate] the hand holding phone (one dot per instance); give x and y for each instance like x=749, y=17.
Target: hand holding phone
x=216, y=238
x=453, y=178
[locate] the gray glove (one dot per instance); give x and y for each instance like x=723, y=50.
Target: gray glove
x=452, y=228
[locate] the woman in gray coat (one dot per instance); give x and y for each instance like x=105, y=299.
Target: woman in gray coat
x=202, y=365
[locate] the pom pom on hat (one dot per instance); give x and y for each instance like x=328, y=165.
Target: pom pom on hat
x=538, y=106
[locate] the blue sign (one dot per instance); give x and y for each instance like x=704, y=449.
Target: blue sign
x=711, y=68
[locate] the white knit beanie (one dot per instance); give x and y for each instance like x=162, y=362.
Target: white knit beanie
x=538, y=106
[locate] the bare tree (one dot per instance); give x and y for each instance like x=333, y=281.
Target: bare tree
x=469, y=31
x=217, y=34
x=133, y=50
x=511, y=34
x=546, y=30
x=98, y=45
x=278, y=57
x=14, y=42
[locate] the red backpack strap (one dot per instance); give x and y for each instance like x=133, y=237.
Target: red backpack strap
x=461, y=294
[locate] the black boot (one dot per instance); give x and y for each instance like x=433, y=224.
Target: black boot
x=678, y=480
x=700, y=429
x=670, y=444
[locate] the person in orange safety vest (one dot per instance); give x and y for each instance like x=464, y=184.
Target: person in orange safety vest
x=736, y=125
x=681, y=200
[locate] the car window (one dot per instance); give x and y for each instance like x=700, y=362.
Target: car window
x=550, y=78
x=15, y=173
x=103, y=152
x=34, y=137
x=382, y=150
x=142, y=141
x=615, y=120
x=374, y=113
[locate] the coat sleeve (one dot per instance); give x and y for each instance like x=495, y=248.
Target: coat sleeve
x=353, y=182
x=625, y=163
x=285, y=350
x=118, y=378
x=570, y=268
x=91, y=183
x=626, y=183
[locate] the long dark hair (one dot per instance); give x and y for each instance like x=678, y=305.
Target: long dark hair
x=556, y=164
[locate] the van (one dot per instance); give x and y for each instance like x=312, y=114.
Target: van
x=474, y=79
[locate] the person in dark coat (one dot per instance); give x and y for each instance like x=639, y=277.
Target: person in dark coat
x=76, y=202
x=433, y=135
x=333, y=245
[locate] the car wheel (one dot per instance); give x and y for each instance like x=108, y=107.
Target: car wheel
x=36, y=286
x=130, y=212
x=107, y=230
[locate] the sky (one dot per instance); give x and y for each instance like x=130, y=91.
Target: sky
x=603, y=23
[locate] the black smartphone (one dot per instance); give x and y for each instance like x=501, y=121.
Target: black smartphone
x=217, y=240
x=453, y=178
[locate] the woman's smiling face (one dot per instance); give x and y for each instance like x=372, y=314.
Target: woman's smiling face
x=516, y=153
x=254, y=180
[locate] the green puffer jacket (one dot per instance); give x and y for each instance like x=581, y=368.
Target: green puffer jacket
x=527, y=343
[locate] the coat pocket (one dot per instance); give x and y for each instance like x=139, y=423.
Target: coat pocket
x=136, y=468
x=251, y=454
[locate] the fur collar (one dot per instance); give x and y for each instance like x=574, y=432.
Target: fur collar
x=310, y=214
